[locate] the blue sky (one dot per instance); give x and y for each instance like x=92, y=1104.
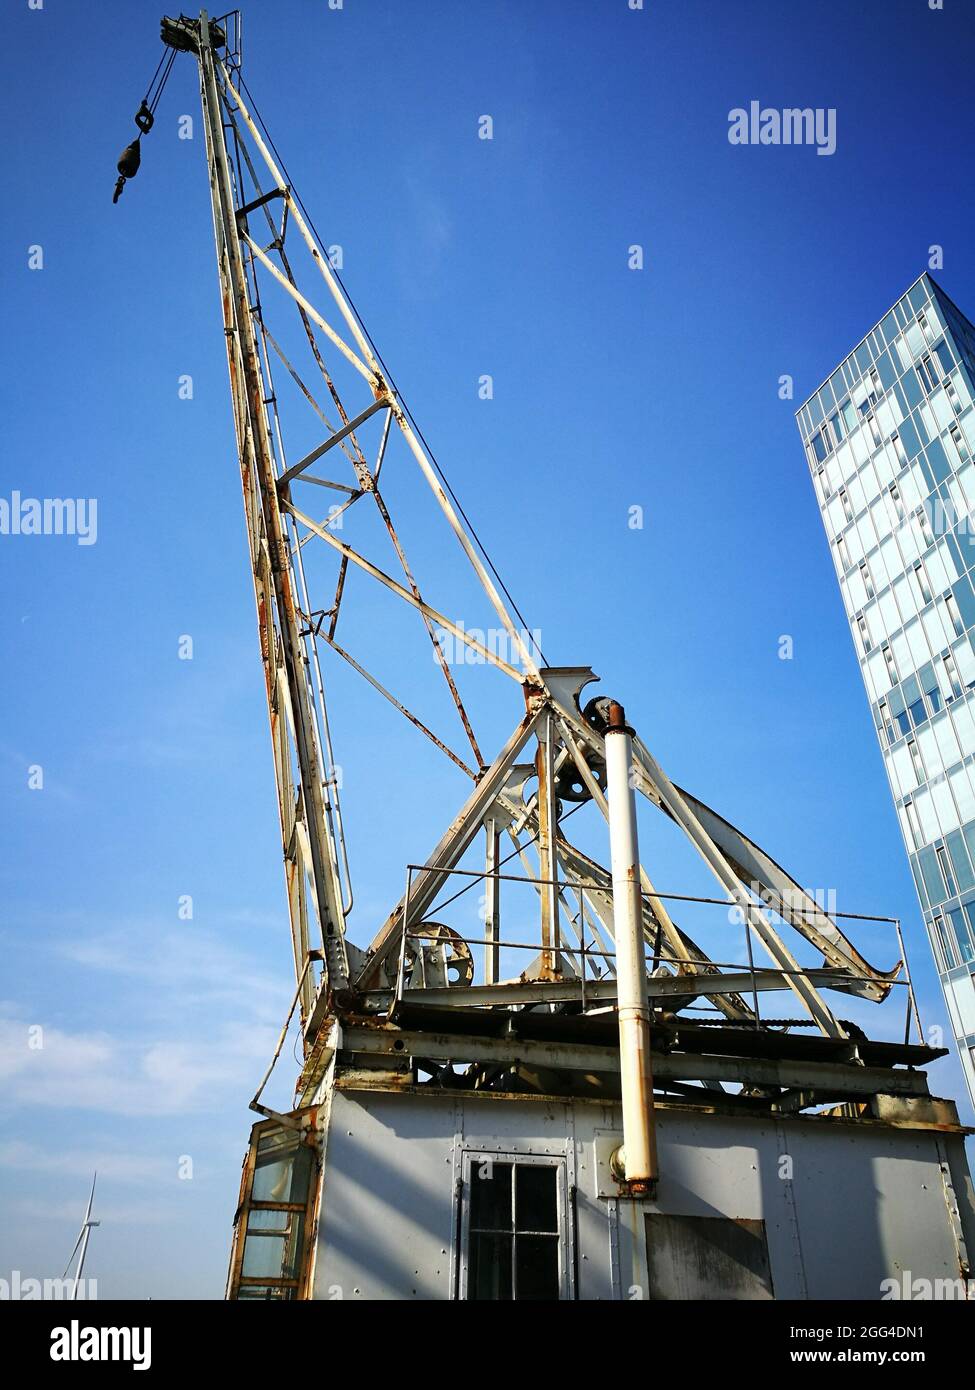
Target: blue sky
x=612, y=388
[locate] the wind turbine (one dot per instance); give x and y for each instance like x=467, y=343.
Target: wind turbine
x=81, y=1244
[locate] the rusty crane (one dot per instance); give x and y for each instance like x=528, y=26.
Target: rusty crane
x=517, y=1114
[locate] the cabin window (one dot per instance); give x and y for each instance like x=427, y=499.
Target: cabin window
x=279, y=1189
x=513, y=1229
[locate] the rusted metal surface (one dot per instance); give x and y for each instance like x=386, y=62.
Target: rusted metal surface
x=822, y=1079
x=661, y=989
x=279, y=633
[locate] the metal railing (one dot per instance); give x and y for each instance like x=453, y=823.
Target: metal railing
x=590, y=950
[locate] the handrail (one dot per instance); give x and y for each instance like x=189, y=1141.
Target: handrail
x=585, y=951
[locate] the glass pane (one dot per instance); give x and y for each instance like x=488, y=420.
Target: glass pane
x=959, y=862
x=960, y=928
x=268, y=1220
x=268, y=1255
x=264, y=1257
x=536, y=1202
x=537, y=1267
x=489, y=1275
x=491, y=1196
x=283, y=1168
x=265, y=1291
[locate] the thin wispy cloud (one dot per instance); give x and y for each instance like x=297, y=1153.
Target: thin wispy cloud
x=122, y=1076
x=107, y=1160
x=194, y=967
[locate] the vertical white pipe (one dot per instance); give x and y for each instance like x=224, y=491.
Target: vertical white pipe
x=636, y=1078
x=492, y=901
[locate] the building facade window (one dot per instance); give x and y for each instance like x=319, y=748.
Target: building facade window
x=951, y=675
x=951, y=606
x=911, y=812
x=944, y=952
x=946, y=873
x=921, y=580
x=927, y=374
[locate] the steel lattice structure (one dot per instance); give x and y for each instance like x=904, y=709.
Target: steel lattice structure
x=259, y=226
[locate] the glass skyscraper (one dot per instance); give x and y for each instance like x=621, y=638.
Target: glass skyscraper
x=890, y=439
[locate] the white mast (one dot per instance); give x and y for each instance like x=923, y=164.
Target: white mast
x=81, y=1244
